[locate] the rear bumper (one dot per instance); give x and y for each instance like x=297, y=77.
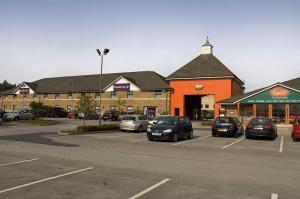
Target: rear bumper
x=296, y=134
x=129, y=127
x=229, y=132
x=256, y=133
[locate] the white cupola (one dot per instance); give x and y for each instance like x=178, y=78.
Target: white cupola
x=207, y=48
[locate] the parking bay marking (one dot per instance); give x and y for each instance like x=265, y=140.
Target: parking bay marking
x=45, y=179
x=274, y=196
x=225, y=147
x=18, y=162
x=281, y=145
x=114, y=136
x=150, y=188
x=201, y=138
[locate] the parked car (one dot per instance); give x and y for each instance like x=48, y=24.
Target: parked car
x=137, y=123
x=1, y=121
x=154, y=121
x=89, y=116
x=23, y=114
x=228, y=126
x=72, y=115
x=112, y=115
x=171, y=128
x=58, y=112
x=2, y=112
x=261, y=127
x=296, y=129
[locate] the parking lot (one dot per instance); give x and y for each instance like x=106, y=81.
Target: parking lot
x=36, y=162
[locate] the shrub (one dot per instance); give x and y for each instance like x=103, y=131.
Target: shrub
x=104, y=127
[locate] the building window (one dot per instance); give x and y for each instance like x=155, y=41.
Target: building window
x=14, y=97
x=34, y=96
x=45, y=96
x=201, y=105
x=129, y=109
x=5, y=107
x=82, y=94
x=24, y=106
x=69, y=108
x=97, y=109
x=24, y=96
x=56, y=106
x=113, y=94
x=69, y=96
x=14, y=107
x=97, y=95
x=158, y=94
x=56, y=96
x=206, y=105
x=129, y=94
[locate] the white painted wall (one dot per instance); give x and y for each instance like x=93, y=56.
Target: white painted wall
x=24, y=86
x=123, y=81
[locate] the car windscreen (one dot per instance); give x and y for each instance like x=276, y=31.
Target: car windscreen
x=167, y=120
x=132, y=118
x=261, y=121
x=222, y=120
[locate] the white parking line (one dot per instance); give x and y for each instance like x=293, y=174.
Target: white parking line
x=192, y=140
x=274, y=196
x=114, y=136
x=18, y=162
x=43, y=180
x=149, y=189
x=225, y=147
x=140, y=140
x=281, y=145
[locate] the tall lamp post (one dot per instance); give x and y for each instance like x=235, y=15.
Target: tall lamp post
x=105, y=51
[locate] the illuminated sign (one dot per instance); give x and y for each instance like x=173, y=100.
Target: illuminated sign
x=199, y=86
x=279, y=92
x=24, y=91
x=121, y=87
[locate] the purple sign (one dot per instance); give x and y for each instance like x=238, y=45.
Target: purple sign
x=122, y=87
x=24, y=91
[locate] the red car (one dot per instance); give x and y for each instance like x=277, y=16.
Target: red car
x=296, y=129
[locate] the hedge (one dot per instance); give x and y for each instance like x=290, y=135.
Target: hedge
x=104, y=127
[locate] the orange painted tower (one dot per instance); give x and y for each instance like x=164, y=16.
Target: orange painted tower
x=199, y=84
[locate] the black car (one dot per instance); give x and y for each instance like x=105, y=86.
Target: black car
x=57, y=112
x=111, y=115
x=261, y=127
x=170, y=128
x=228, y=126
x=2, y=112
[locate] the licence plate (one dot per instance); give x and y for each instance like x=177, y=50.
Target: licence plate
x=158, y=134
x=222, y=130
x=258, y=128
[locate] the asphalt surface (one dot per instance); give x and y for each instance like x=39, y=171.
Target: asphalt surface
x=36, y=162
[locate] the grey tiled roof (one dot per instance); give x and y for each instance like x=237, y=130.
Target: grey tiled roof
x=145, y=80
x=205, y=65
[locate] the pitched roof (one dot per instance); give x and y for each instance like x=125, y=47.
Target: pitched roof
x=205, y=65
x=293, y=83
x=232, y=100
x=145, y=80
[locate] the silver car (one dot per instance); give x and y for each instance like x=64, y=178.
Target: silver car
x=137, y=123
x=23, y=114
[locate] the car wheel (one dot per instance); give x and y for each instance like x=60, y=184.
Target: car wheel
x=247, y=136
x=140, y=129
x=175, y=137
x=149, y=138
x=191, y=135
x=294, y=139
x=236, y=134
x=213, y=134
x=16, y=118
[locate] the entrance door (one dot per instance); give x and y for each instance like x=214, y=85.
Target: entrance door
x=192, y=106
x=278, y=111
x=151, y=112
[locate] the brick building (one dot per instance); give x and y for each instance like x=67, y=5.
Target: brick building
x=144, y=91
x=200, y=83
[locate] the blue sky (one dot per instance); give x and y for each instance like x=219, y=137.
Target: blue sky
x=258, y=40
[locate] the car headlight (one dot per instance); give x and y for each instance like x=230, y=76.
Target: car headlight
x=168, y=131
x=148, y=130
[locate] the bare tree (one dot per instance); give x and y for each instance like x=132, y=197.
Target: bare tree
x=86, y=105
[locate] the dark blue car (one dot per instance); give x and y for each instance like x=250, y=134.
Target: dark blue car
x=227, y=126
x=170, y=128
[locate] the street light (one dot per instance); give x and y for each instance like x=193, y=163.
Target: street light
x=105, y=51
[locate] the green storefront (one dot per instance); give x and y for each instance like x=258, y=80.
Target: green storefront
x=280, y=102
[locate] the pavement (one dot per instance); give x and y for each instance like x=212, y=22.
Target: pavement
x=36, y=162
